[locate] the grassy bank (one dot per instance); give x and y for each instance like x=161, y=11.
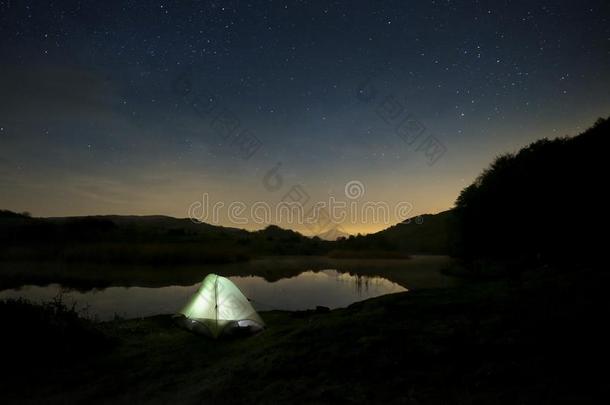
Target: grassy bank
x=537, y=341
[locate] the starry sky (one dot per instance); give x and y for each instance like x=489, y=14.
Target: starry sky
x=142, y=107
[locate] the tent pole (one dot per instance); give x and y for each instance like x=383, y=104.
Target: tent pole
x=216, y=300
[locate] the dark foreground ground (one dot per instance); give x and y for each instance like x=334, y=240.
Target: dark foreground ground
x=534, y=340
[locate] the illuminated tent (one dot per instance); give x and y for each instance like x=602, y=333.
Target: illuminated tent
x=219, y=308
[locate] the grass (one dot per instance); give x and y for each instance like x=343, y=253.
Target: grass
x=50, y=333
x=538, y=341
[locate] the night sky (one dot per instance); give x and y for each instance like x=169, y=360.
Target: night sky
x=141, y=107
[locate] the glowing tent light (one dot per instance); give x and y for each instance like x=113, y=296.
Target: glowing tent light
x=219, y=307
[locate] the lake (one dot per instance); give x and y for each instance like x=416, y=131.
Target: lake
x=287, y=283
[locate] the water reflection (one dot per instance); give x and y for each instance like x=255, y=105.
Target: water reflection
x=361, y=283
x=307, y=290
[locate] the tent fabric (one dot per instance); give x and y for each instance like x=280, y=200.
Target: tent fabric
x=219, y=307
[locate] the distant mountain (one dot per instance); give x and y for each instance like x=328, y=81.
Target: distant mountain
x=333, y=234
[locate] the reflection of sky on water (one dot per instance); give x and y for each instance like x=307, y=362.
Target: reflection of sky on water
x=307, y=290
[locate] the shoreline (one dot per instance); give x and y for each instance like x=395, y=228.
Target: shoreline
x=431, y=345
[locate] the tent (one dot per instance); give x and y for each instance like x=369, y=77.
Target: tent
x=219, y=308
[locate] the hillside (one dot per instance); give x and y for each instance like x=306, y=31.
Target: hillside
x=141, y=239
x=162, y=239
x=540, y=204
x=428, y=233
x=425, y=234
